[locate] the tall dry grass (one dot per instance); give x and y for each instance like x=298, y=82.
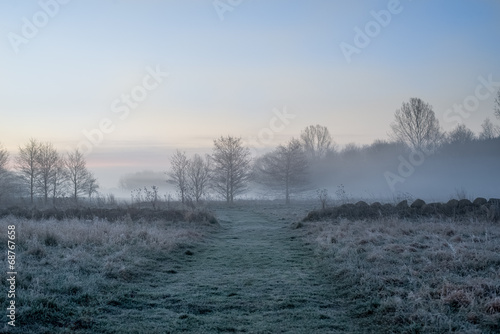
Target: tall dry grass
x=423, y=276
x=70, y=270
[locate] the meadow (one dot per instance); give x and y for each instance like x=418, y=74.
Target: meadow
x=423, y=275
x=73, y=272
x=260, y=267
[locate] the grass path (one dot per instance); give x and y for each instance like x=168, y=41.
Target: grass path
x=252, y=276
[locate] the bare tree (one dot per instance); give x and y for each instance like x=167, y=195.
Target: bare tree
x=460, y=135
x=11, y=184
x=489, y=131
x=497, y=105
x=28, y=166
x=4, y=159
x=317, y=141
x=350, y=150
x=198, y=176
x=231, y=167
x=178, y=173
x=91, y=184
x=416, y=125
x=47, y=162
x=77, y=173
x=60, y=180
x=285, y=168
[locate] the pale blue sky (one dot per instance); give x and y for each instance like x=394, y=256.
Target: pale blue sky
x=226, y=77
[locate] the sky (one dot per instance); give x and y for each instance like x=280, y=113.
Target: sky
x=128, y=82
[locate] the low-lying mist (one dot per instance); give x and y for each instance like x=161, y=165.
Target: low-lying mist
x=390, y=171
x=382, y=171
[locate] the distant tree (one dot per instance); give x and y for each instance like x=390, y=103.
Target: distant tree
x=27, y=165
x=460, y=135
x=416, y=125
x=91, y=184
x=382, y=147
x=317, y=141
x=11, y=183
x=497, y=105
x=231, y=167
x=351, y=150
x=178, y=174
x=4, y=159
x=285, y=168
x=77, y=173
x=489, y=131
x=47, y=162
x=60, y=180
x=199, y=176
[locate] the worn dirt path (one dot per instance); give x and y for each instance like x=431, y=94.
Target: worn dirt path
x=254, y=275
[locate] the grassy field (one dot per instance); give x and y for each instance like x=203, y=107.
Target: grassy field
x=414, y=276
x=259, y=270
x=75, y=275
x=251, y=274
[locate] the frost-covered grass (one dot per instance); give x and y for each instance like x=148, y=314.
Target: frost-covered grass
x=424, y=276
x=251, y=274
x=255, y=274
x=71, y=271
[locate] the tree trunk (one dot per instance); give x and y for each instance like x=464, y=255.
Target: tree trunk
x=46, y=192
x=54, y=196
x=287, y=198
x=76, y=193
x=31, y=189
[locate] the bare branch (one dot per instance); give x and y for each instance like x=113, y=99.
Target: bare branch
x=416, y=125
x=77, y=173
x=489, y=131
x=284, y=168
x=178, y=173
x=27, y=165
x=460, y=135
x=231, y=167
x=316, y=141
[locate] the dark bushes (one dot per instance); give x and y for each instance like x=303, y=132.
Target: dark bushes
x=135, y=214
x=479, y=208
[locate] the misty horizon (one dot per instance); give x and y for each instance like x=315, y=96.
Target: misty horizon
x=259, y=71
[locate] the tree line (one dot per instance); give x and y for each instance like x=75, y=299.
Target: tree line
x=41, y=172
x=416, y=126
x=229, y=170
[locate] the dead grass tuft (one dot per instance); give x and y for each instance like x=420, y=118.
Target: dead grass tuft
x=457, y=298
x=493, y=306
x=37, y=252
